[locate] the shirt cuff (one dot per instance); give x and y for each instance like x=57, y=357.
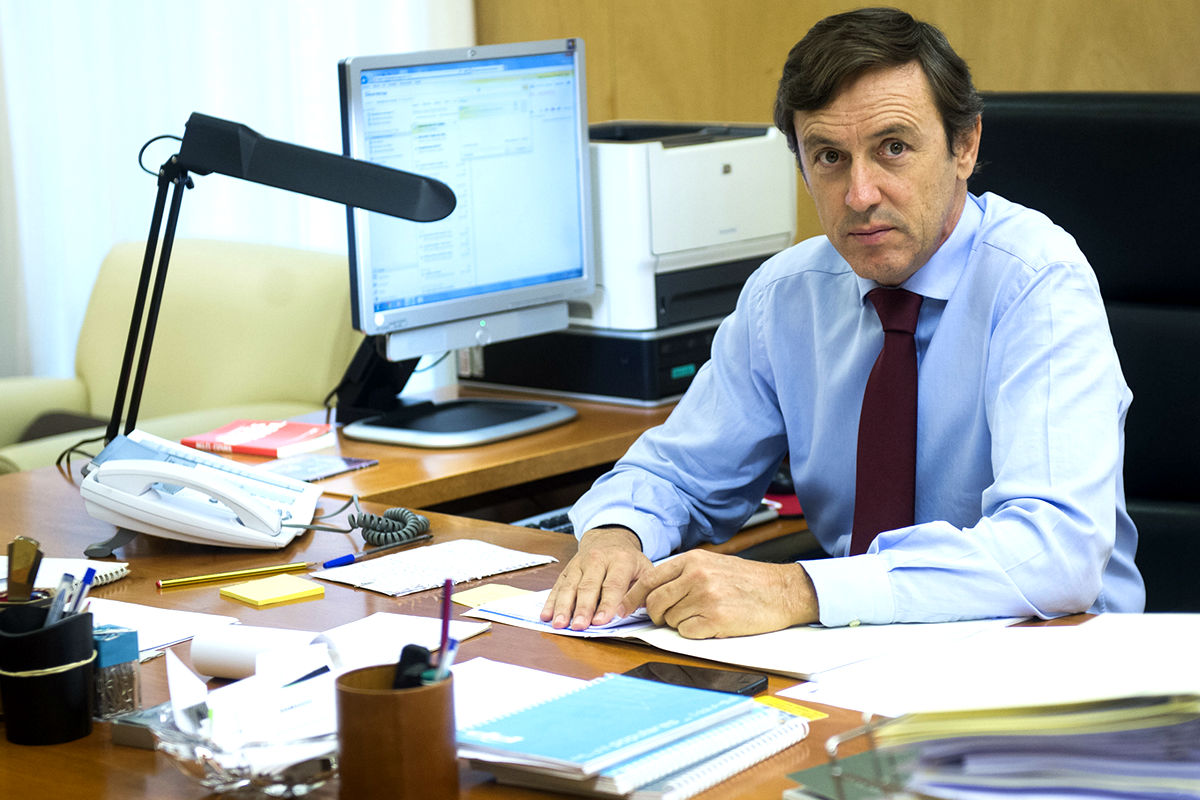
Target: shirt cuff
x=654, y=546
x=852, y=590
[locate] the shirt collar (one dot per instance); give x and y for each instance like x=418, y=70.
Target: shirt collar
x=940, y=274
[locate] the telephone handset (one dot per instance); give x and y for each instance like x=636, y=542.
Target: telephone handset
x=189, y=503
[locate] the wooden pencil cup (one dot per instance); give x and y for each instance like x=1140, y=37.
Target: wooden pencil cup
x=395, y=743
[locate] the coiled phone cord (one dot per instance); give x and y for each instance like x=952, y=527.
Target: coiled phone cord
x=396, y=524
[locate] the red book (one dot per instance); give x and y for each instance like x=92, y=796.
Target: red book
x=276, y=439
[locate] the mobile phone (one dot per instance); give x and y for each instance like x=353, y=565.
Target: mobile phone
x=720, y=680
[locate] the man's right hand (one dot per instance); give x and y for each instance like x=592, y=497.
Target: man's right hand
x=591, y=586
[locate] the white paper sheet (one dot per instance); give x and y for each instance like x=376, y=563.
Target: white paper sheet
x=232, y=652
x=801, y=651
x=187, y=691
x=379, y=638
x=1109, y=656
x=428, y=567
x=156, y=627
x=524, y=611
x=262, y=721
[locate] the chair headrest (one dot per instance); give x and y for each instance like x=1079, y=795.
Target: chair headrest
x=1118, y=171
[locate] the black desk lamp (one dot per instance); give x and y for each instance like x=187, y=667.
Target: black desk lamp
x=217, y=145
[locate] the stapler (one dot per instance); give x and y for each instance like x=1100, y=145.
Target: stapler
x=24, y=558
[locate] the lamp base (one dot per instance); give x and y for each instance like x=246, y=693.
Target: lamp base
x=371, y=384
x=464, y=422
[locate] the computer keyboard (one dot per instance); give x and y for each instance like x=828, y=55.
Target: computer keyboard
x=558, y=521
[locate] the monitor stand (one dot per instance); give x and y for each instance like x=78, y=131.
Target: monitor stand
x=369, y=404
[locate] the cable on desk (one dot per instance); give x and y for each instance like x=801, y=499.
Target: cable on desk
x=396, y=524
x=63, y=462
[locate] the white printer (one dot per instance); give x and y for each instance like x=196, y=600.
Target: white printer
x=683, y=213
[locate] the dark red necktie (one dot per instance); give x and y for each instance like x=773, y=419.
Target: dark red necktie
x=887, y=428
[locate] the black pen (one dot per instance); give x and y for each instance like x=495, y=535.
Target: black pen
x=58, y=604
x=342, y=561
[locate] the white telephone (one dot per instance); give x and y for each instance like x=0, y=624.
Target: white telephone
x=203, y=502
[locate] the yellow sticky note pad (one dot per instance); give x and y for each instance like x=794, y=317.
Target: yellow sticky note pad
x=485, y=594
x=275, y=589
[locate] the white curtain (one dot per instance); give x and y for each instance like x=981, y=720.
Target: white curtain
x=85, y=83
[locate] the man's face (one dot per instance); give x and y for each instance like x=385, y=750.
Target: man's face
x=888, y=191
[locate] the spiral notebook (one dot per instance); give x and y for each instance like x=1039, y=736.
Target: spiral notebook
x=625, y=718
x=52, y=569
x=677, y=771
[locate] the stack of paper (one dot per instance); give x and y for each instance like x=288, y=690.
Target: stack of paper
x=1129, y=747
x=619, y=736
x=1108, y=708
x=1108, y=657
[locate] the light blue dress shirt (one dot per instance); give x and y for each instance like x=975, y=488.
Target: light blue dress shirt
x=1020, y=505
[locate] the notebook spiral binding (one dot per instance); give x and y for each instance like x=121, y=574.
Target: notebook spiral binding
x=708, y=773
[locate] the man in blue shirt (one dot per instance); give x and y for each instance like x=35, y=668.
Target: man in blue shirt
x=1018, y=507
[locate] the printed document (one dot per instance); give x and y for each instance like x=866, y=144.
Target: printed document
x=802, y=652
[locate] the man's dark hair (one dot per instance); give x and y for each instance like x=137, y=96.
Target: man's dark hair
x=843, y=46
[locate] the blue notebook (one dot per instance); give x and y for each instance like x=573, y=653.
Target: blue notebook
x=679, y=770
x=606, y=721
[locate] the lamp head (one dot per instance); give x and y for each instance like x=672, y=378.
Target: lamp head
x=230, y=148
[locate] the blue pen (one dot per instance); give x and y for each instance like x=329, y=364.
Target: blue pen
x=342, y=561
x=60, y=597
x=81, y=592
x=446, y=659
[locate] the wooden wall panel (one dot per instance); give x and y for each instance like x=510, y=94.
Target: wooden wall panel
x=719, y=60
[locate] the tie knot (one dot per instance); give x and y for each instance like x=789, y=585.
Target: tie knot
x=897, y=308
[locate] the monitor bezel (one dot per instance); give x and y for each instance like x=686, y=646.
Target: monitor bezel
x=469, y=312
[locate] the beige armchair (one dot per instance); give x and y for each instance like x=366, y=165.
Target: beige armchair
x=245, y=331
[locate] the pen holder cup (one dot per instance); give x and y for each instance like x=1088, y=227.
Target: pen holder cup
x=395, y=742
x=46, y=676
x=38, y=598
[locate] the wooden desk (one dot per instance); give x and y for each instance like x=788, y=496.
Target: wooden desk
x=44, y=505
x=421, y=478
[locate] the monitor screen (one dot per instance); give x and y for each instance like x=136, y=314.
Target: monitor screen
x=505, y=127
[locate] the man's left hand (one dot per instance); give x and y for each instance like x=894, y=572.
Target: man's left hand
x=705, y=595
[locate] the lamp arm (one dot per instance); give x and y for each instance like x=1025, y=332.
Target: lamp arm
x=170, y=176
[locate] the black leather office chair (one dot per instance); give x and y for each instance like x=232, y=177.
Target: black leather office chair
x=1120, y=172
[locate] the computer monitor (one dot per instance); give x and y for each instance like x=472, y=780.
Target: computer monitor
x=505, y=127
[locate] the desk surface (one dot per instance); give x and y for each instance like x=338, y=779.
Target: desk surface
x=44, y=505
x=420, y=478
